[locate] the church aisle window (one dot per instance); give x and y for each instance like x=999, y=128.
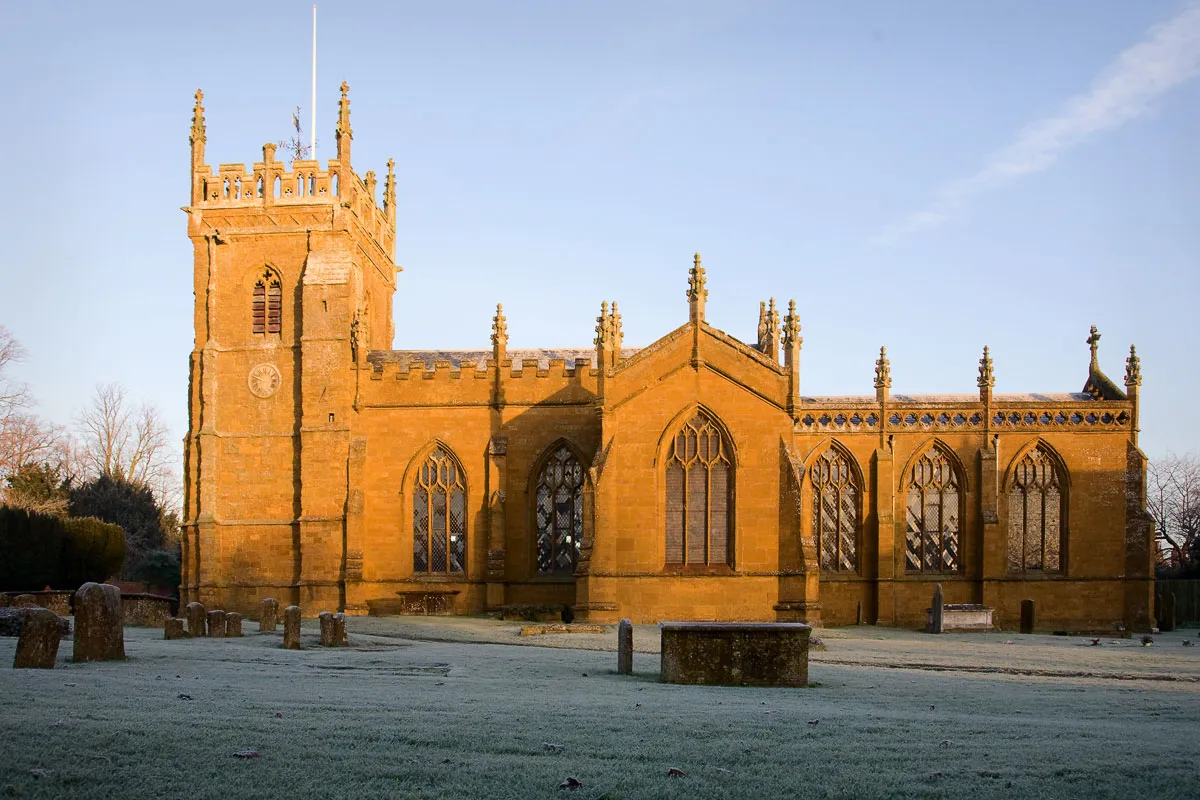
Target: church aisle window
x=699, y=495
x=559, y=513
x=439, y=517
x=1035, y=515
x=835, y=511
x=932, y=528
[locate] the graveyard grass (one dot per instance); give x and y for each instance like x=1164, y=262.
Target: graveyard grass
x=449, y=707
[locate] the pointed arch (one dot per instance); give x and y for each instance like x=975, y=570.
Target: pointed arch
x=934, y=489
x=438, y=486
x=947, y=450
x=556, y=486
x=1037, y=488
x=837, y=490
x=677, y=422
x=699, y=464
x=266, y=305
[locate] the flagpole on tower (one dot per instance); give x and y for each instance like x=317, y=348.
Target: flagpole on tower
x=312, y=128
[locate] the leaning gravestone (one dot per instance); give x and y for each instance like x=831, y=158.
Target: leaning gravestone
x=173, y=629
x=196, y=616
x=937, y=610
x=333, y=629
x=99, y=623
x=38, y=646
x=268, y=614
x=625, y=647
x=1028, y=619
x=291, y=628
x=233, y=624
x=216, y=624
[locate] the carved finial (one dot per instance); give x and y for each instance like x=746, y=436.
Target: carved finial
x=344, y=111
x=791, y=326
x=1093, y=341
x=499, y=328
x=696, y=291
x=883, y=370
x=762, y=325
x=987, y=378
x=1133, y=369
x=198, y=130
x=389, y=186
x=603, y=326
x=615, y=325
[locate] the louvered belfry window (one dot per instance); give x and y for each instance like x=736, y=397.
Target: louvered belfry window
x=439, y=517
x=267, y=306
x=559, y=513
x=699, y=495
x=932, y=528
x=835, y=511
x=1035, y=515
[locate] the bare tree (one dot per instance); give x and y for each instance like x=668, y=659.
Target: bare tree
x=1173, y=499
x=126, y=443
x=25, y=438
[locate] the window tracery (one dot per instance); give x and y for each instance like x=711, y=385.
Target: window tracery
x=699, y=484
x=439, y=516
x=267, y=305
x=932, y=520
x=558, y=510
x=835, y=511
x=1035, y=514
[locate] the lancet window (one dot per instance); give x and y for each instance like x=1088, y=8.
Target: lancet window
x=934, y=509
x=835, y=511
x=699, y=481
x=558, y=510
x=1035, y=514
x=267, y=305
x=439, y=516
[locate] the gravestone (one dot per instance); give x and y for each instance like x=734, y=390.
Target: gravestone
x=233, y=624
x=196, y=617
x=268, y=614
x=735, y=653
x=99, y=623
x=1166, y=623
x=937, y=611
x=625, y=647
x=291, y=628
x=38, y=646
x=1028, y=618
x=216, y=624
x=173, y=629
x=333, y=629
x=25, y=601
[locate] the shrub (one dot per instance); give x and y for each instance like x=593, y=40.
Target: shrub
x=93, y=550
x=30, y=548
x=160, y=569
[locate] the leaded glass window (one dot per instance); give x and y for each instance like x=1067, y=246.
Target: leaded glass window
x=835, y=511
x=699, y=495
x=1035, y=514
x=439, y=516
x=559, y=513
x=932, y=528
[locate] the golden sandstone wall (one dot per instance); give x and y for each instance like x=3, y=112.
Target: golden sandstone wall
x=308, y=434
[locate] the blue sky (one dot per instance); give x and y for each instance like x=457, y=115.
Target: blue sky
x=928, y=176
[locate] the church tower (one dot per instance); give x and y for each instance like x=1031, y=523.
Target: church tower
x=294, y=272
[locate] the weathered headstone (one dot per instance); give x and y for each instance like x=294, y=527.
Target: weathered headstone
x=268, y=614
x=25, y=601
x=333, y=629
x=173, y=629
x=216, y=624
x=99, y=623
x=1028, y=619
x=291, y=628
x=233, y=624
x=38, y=646
x=197, y=615
x=937, y=610
x=1166, y=622
x=625, y=647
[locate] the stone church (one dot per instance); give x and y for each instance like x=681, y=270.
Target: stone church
x=690, y=479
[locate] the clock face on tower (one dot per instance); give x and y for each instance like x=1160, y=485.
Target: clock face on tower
x=264, y=380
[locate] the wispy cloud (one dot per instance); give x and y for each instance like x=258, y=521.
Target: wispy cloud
x=1124, y=90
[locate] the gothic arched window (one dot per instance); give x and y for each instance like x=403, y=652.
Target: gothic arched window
x=1035, y=514
x=558, y=509
x=932, y=527
x=439, y=516
x=699, y=480
x=835, y=511
x=267, y=306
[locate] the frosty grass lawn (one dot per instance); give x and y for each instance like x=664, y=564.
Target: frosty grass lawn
x=448, y=707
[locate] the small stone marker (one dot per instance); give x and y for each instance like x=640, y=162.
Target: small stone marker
x=25, y=601
x=38, y=646
x=268, y=614
x=937, y=610
x=99, y=623
x=1028, y=620
x=233, y=624
x=333, y=629
x=1167, y=611
x=216, y=624
x=291, y=628
x=173, y=629
x=625, y=647
x=196, y=616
